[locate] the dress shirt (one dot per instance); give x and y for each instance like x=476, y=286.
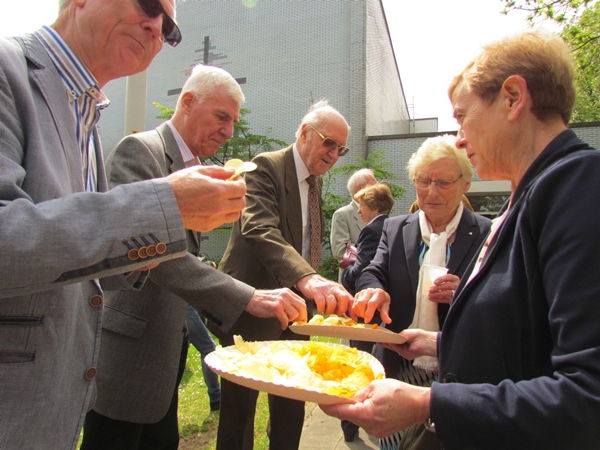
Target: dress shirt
x=303, y=173
x=186, y=153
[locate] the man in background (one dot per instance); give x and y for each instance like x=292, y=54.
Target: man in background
x=275, y=244
x=346, y=224
x=144, y=337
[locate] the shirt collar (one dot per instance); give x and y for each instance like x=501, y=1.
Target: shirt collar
x=75, y=75
x=301, y=169
x=186, y=153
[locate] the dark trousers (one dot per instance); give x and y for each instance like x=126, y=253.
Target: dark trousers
x=102, y=433
x=238, y=407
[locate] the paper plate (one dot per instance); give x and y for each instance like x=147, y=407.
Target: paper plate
x=215, y=362
x=355, y=333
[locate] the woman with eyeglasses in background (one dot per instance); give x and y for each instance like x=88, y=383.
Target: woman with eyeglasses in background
x=441, y=233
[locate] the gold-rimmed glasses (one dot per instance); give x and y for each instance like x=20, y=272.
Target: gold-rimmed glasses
x=330, y=144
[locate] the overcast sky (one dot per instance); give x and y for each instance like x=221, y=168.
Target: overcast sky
x=433, y=40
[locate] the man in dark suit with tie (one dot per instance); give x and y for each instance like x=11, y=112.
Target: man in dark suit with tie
x=144, y=342
x=270, y=247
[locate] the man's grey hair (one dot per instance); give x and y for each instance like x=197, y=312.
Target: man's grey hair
x=205, y=79
x=318, y=113
x=359, y=179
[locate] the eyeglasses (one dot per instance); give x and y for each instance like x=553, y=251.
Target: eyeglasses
x=330, y=144
x=441, y=184
x=170, y=30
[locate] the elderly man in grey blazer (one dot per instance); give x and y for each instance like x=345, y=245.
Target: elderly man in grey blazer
x=60, y=232
x=144, y=343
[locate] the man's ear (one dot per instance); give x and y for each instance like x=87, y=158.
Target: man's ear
x=187, y=100
x=515, y=96
x=304, y=132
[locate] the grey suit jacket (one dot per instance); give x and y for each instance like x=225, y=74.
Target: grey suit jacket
x=143, y=330
x=56, y=240
x=346, y=226
x=265, y=247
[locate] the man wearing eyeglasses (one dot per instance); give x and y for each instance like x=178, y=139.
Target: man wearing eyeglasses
x=270, y=247
x=60, y=232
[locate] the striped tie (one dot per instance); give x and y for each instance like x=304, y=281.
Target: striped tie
x=314, y=215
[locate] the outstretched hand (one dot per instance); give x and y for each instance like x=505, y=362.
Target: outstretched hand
x=281, y=303
x=329, y=297
x=368, y=301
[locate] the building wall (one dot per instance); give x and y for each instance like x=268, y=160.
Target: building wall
x=387, y=112
x=286, y=56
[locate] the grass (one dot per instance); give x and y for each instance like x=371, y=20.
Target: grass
x=197, y=427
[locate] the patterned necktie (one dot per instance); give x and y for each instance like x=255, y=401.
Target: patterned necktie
x=314, y=215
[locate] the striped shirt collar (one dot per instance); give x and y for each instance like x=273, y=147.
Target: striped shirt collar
x=75, y=75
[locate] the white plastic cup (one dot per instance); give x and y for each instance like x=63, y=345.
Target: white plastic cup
x=430, y=274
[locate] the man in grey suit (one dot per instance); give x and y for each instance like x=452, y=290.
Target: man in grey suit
x=346, y=224
x=60, y=232
x=269, y=248
x=144, y=342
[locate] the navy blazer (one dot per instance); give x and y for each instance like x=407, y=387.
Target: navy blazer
x=395, y=267
x=366, y=246
x=521, y=341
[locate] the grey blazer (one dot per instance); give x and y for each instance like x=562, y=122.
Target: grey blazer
x=346, y=225
x=56, y=240
x=143, y=330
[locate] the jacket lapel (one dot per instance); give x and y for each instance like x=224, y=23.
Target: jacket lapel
x=411, y=233
x=467, y=233
x=175, y=162
x=43, y=74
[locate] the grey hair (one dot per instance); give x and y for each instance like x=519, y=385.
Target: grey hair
x=204, y=79
x=319, y=112
x=436, y=148
x=358, y=178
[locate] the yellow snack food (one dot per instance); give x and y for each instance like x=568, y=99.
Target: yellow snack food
x=334, y=320
x=336, y=370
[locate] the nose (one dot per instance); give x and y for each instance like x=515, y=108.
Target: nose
x=227, y=129
x=433, y=189
x=153, y=25
x=461, y=142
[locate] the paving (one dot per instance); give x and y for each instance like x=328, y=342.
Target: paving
x=323, y=432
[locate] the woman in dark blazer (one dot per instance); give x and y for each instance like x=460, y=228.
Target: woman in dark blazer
x=442, y=175
x=375, y=203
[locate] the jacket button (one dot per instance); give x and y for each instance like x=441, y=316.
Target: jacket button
x=90, y=374
x=96, y=301
x=450, y=378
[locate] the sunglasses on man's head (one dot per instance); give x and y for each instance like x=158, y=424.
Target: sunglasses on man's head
x=170, y=30
x=330, y=144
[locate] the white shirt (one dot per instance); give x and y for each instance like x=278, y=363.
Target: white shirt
x=186, y=153
x=303, y=173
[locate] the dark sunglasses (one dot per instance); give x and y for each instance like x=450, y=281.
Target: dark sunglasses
x=170, y=30
x=330, y=144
